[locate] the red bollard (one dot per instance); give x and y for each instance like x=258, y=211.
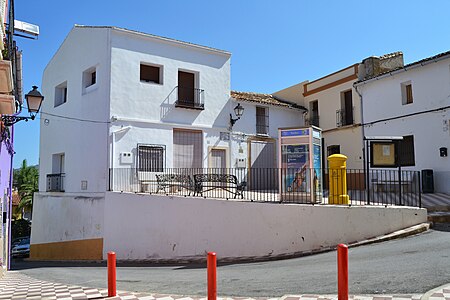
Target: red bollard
x=212, y=276
x=111, y=274
x=342, y=257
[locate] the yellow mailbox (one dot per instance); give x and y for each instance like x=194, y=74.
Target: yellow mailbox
x=337, y=179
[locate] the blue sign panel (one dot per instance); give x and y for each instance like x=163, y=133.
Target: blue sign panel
x=296, y=132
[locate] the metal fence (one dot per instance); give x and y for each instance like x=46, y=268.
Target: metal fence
x=307, y=186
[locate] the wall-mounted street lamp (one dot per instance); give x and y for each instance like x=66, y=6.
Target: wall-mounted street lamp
x=238, y=111
x=34, y=101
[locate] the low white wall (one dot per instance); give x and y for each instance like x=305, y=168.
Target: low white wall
x=161, y=227
x=64, y=217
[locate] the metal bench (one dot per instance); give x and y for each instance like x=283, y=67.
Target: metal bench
x=165, y=181
x=226, y=182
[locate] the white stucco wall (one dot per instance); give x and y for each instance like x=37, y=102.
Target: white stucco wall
x=431, y=89
x=174, y=228
x=132, y=98
x=178, y=228
x=77, y=128
x=58, y=218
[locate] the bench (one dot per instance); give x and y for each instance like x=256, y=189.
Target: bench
x=390, y=182
x=226, y=182
x=165, y=181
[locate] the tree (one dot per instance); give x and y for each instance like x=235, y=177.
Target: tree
x=26, y=180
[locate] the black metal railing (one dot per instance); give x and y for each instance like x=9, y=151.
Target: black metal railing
x=313, y=120
x=344, y=117
x=188, y=97
x=307, y=186
x=55, y=182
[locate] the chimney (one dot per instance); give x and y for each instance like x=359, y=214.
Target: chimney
x=375, y=65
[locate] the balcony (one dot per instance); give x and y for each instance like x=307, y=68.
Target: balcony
x=344, y=117
x=190, y=98
x=313, y=121
x=55, y=182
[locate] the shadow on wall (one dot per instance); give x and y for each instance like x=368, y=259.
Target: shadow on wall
x=168, y=111
x=184, y=54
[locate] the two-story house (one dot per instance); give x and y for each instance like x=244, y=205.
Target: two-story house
x=413, y=102
x=123, y=105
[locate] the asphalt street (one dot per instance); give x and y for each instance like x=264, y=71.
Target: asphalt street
x=414, y=264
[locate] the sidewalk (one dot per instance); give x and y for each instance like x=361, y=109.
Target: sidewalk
x=15, y=285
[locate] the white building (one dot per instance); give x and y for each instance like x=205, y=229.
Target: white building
x=413, y=101
x=120, y=99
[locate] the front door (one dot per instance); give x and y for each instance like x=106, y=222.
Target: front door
x=263, y=164
x=218, y=160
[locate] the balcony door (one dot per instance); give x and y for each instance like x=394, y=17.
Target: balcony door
x=348, y=108
x=186, y=88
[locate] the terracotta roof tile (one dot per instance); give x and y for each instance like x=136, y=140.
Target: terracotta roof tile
x=268, y=99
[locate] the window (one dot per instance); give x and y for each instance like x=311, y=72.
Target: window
x=61, y=94
x=151, y=73
x=151, y=158
x=89, y=77
x=314, y=113
x=262, y=120
x=407, y=93
x=406, y=151
x=333, y=149
x=187, y=148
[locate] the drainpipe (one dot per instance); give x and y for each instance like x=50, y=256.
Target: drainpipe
x=366, y=172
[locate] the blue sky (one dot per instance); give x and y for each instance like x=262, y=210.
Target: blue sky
x=274, y=44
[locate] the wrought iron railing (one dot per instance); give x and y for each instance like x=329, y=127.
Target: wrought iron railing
x=313, y=120
x=307, y=186
x=188, y=97
x=344, y=117
x=55, y=182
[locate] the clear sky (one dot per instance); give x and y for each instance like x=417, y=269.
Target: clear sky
x=274, y=44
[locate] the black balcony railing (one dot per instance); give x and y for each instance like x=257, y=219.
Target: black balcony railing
x=191, y=98
x=55, y=182
x=306, y=186
x=344, y=117
x=313, y=120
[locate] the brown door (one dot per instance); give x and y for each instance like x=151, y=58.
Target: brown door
x=186, y=84
x=348, y=108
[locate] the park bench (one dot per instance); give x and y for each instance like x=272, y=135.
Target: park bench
x=171, y=181
x=226, y=182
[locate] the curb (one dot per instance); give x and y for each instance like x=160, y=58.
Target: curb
x=394, y=235
x=427, y=295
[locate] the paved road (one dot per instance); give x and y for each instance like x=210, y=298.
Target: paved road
x=412, y=265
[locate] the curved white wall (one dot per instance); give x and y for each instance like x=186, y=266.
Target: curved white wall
x=161, y=227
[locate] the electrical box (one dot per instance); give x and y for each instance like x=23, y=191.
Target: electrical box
x=84, y=185
x=126, y=158
x=241, y=163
